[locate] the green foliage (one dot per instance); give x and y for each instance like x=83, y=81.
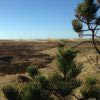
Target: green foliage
x=43, y=80
x=10, y=93
x=31, y=90
x=90, y=89
x=87, y=17
x=37, y=88
x=55, y=79
x=65, y=82
x=74, y=83
x=32, y=70
x=66, y=54
x=64, y=88
x=41, y=87
x=86, y=92
x=91, y=81
x=36, y=91
x=86, y=14
x=90, y=92
x=77, y=25
x=75, y=70
x=65, y=61
x=87, y=10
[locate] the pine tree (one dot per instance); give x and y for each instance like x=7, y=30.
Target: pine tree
x=87, y=17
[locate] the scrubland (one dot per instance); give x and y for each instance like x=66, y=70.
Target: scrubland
x=21, y=54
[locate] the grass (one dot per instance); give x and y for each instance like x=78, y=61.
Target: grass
x=85, y=52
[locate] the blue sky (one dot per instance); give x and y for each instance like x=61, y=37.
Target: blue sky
x=36, y=19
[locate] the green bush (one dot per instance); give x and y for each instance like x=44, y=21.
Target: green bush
x=74, y=83
x=65, y=60
x=64, y=88
x=66, y=64
x=97, y=93
x=34, y=90
x=75, y=70
x=91, y=81
x=37, y=88
x=32, y=70
x=43, y=80
x=55, y=79
x=11, y=93
x=31, y=90
x=89, y=92
x=41, y=87
x=90, y=89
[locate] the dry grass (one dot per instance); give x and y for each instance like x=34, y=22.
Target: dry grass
x=24, y=52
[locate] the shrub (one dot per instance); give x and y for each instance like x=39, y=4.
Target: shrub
x=89, y=92
x=84, y=91
x=91, y=81
x=65, y=60
x=34, y=90
x=64, y=88
x=97, y=93
x=75, y=70
x=90, y=89
x=31, y=90
x=11, y=93
x=55, y=79
x=43, y=80
x=37, y=88
x=74, y=83
x=32, y=70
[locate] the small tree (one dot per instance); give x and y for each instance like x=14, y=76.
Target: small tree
x=65, y=82
x=88, y=20
x=66, y=63
x=87, y=16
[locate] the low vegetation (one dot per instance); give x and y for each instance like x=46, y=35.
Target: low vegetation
x=63, y=83
x=60, y=85
x=90, y=89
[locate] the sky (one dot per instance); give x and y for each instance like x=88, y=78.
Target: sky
x=37, y=19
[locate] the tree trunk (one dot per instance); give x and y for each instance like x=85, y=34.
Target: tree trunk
x=93, y=40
